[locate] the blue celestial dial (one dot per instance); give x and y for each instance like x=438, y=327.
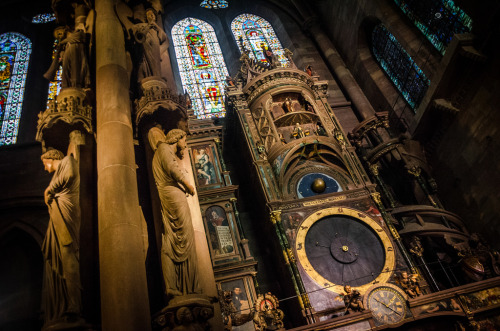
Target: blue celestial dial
x=316, y=184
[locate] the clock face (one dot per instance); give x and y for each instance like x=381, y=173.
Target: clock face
x=387, y=304
x=305, y=185
x=343, y=246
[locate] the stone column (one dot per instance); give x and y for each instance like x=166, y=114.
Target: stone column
x=124, y=293
x=330, y=53
x=205, y=271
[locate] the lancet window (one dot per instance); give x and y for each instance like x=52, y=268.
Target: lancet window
x=257, y=35
x=201, y=66
x=55, y=84
x=15, y=50
x=438, y=20
x=399, y=66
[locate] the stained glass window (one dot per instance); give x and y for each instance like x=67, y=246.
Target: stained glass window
x=56, y=83
x=438, y=20
x=43, y=18
x=214, y=4
x=15, y=50
x=399, y=66
x=257, y=35
x=201, y=66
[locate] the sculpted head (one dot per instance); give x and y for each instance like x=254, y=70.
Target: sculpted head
x=151, y=15
x=177, y=136
x=51, y=159
x=60, y=33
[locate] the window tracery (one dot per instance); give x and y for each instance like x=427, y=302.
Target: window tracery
x=201, y=66
x=438, y=20
x=15, y=50
x=399, y=66
x=255, y=33
x=43, y=18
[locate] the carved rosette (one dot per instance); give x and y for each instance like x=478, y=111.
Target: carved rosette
x=159, y=102
x=70, y=111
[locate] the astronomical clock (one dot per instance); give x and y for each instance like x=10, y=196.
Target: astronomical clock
x=329, y=226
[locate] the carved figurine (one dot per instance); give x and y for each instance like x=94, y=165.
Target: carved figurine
x=61, y=299
x=352, y=300
x=287, y=105
x=268, y=54
x=320, y=130
x=309, y=70
x=150, y=36
x=178, y=252
x=298, y=132
x=409, y=283
x=71, y=53
x=230, y=313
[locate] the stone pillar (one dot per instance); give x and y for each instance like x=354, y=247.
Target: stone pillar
x=205, y=271
x=124, y=293
x=330, y=53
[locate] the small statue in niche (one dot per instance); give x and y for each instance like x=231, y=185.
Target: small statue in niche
x=178, y=252
x=309, y=70
x=298, y=132
x=287, y=105
x=71, y=54
x=352, y=300
x=150, y=36
x=320, y=130
x=61, y=299
x=409, y=283
x=229, y=82
x=268, y=54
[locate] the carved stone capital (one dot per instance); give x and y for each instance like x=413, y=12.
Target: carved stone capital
x=158, y=101
x=70, y=111
x=187, y=312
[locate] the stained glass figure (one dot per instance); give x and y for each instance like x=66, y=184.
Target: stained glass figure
x=256, y=35
x=15, y=50
x=43, y=18
x=214, y=4
x=399, y=66
x=438, y=20
x=56, y=83
x=201, y=66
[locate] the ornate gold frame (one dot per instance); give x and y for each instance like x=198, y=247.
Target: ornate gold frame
x=390, y=257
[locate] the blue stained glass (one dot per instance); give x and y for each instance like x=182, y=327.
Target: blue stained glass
x=55, y=84
x=201, y=66
x=214, y=4
x=43, y=18
x=399, y=66
x=15, y=50
x=257, y=35
x=438, y=20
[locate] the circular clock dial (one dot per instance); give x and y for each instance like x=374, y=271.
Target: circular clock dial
x=344, y=250
x=387, y=305
x=305, y=185
x=340, y=246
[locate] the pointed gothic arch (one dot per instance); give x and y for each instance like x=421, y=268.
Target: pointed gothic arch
x=201, y=66
x=252, y=32
x=15, y=50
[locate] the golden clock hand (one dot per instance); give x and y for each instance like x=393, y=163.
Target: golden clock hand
x=387, y=306
x=381, y=302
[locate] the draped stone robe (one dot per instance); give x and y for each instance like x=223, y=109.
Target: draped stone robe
x=61, y=283
x=178, y=248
